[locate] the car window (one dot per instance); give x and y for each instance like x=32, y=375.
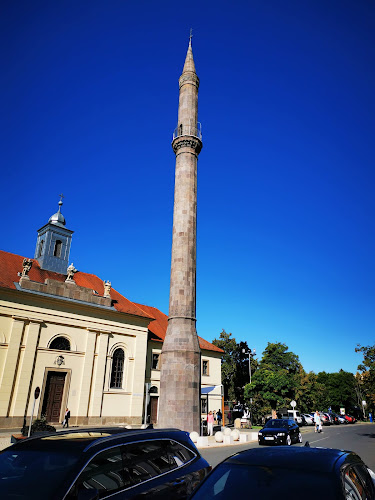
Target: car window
x=131, y=464
x=277, y=423
x=178, y=454
x=147, y=459
x=104, y=472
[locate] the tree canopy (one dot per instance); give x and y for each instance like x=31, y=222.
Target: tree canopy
x=366, y=380
x=234, y=365
x=276, y=379
x=279, y=377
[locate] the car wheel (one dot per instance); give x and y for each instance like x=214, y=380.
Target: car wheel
x=288, y=440
x=300, y=438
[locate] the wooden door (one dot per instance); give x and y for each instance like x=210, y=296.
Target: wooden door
x=154, y=410
x=55, y=391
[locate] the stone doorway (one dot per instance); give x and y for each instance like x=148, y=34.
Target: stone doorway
x=53, y=396
x=154, y=409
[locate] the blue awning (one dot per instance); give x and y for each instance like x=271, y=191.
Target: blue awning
x=207, y=390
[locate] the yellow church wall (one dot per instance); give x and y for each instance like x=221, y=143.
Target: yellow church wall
x=28, y=324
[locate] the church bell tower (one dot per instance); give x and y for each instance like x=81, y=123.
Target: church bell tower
x=180, y=375
x=53, y=244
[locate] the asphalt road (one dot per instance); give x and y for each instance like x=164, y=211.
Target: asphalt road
x=355, y=437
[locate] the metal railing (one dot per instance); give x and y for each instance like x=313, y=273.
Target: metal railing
x=188, y=130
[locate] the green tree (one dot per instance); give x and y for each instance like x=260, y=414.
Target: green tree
x=234, y=366
x=339, y=390
x=367, y=375
x=308, y=391
x=228, y=366
x=277, y=377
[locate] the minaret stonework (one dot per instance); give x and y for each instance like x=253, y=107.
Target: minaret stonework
x=179, y=404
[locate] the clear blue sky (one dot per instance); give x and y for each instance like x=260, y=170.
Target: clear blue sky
x=89, y=95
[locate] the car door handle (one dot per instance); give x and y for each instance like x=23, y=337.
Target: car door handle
x=178, y=481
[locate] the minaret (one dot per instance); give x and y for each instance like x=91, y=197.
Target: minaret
x=180, y=376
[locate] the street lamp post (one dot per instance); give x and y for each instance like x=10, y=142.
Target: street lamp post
x=250, y=353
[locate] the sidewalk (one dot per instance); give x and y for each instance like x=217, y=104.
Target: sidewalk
x=246, y=436
x=6, y=435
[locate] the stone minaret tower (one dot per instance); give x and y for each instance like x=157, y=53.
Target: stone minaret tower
x=180, y=377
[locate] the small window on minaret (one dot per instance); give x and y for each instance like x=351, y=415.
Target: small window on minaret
x=41, y=248
x=57, y=249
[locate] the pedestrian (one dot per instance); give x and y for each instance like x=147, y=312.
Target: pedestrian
x=219, y=417
x=66, y=418
x=318, y=422
x=215, y=416
x=229, y=417
x=210, y=424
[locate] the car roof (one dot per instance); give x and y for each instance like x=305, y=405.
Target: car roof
x=74, y=441
x=315, y=459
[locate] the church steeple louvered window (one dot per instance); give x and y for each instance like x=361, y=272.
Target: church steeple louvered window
x=57, y=249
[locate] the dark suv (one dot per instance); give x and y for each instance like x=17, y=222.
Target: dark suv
x=100, y=463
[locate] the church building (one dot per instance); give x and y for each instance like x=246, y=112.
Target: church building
x=81, y=342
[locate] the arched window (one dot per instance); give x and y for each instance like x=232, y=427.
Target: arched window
x=57, y=249
x=60, y=343
x=41, y=247
x=117, y=368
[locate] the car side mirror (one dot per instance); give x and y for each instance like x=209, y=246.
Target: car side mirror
x=88, y=494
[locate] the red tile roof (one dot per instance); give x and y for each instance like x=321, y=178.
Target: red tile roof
x=11, y=264
x=158, y=328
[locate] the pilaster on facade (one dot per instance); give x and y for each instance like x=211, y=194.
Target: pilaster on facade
x=24, y=378
x=100, y=362
x=87, y=374
x=138, y=377
x=11, y=365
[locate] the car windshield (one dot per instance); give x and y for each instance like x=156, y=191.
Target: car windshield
x=277, y=424
x=263, y=483
x=30, y=474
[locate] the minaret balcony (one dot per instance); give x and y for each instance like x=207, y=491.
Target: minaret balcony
x=190, y=130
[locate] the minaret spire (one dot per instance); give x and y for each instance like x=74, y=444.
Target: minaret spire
x=189, y=65
x=179, y=404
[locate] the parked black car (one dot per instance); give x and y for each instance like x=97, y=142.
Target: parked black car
x=101, y=463
x=280, y=431
x=285, y=472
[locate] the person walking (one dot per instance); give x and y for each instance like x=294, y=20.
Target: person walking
x=318, y=422
x=66, y=418
x=229, y=417
x=219, y=417
x=210, y=424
